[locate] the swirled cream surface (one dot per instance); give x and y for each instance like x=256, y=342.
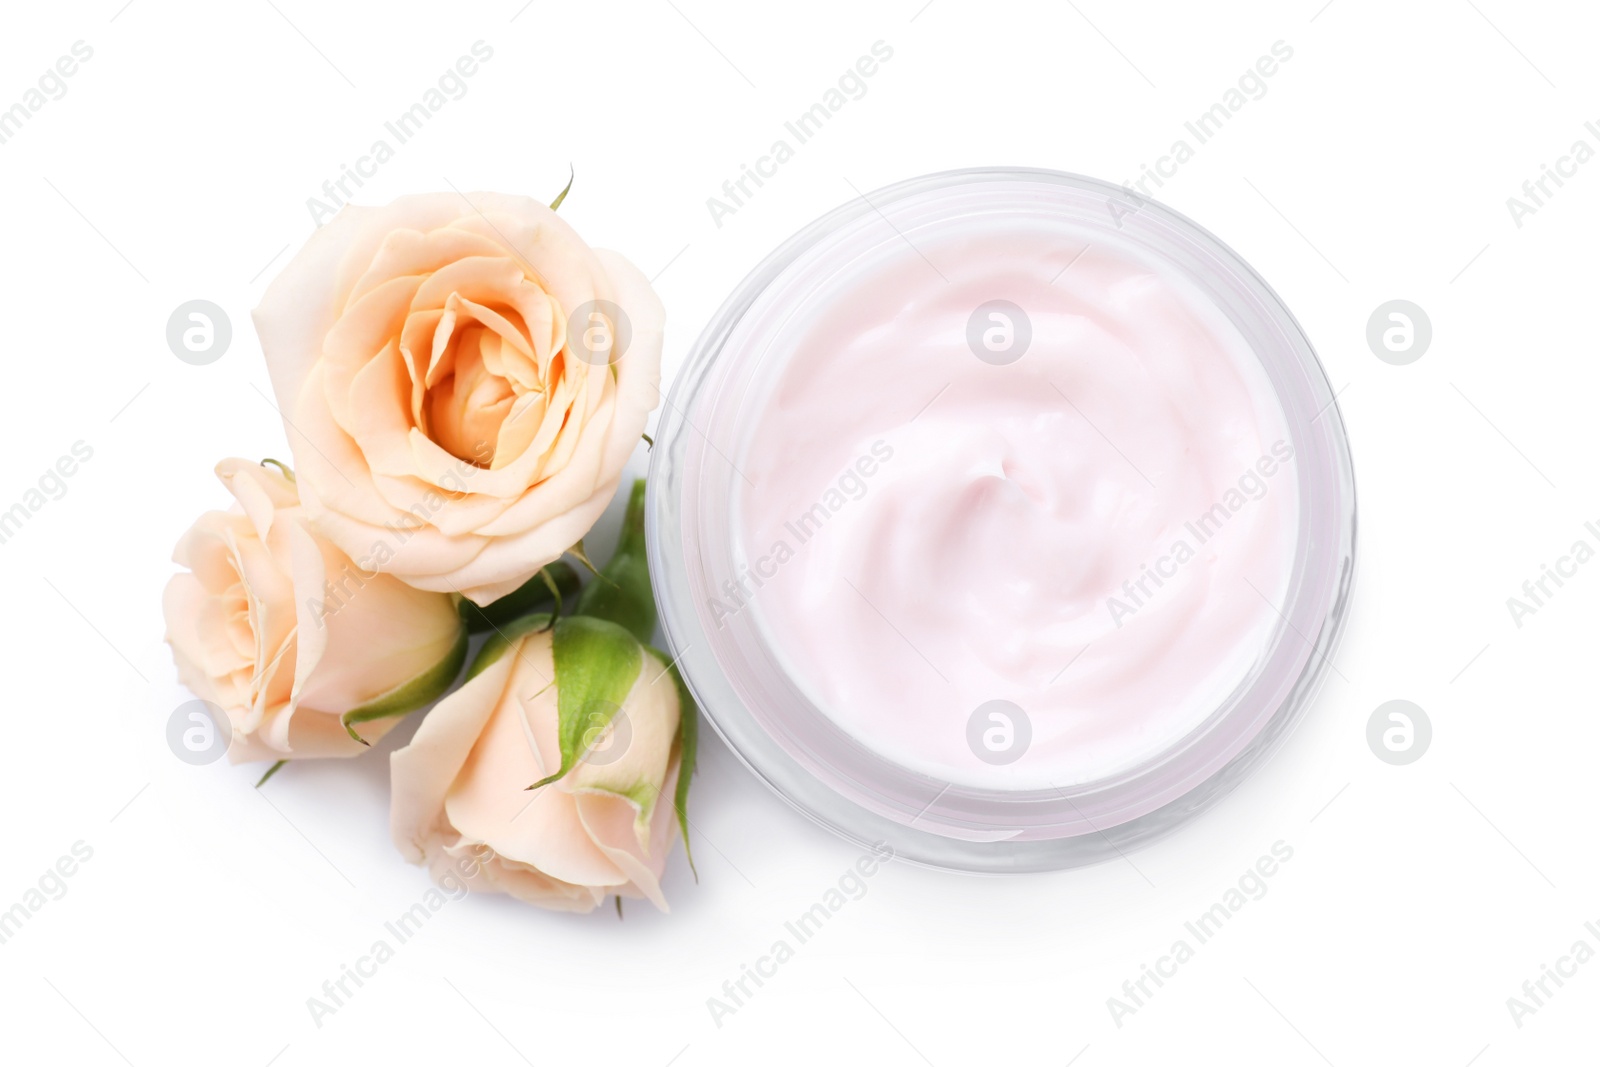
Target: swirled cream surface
x=1017, y=509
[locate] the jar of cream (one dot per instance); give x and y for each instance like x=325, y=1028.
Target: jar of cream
x=1002, y=520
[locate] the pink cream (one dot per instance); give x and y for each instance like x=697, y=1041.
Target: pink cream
x=1100, y=533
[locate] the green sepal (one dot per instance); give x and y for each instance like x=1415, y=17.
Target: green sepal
x=572, y=174
x=578, y=553
x=622, y=592
x=596, y=664
x=283, y=468
x=274, y=769
x=553, y=583
x=407, y=697
x=688, y=748
x=504, y=637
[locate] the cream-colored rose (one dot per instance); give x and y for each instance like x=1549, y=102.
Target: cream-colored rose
x=605, y=828
x=447, y=372
x=275, y=626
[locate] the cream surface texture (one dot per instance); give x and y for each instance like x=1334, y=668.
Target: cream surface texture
x=1085, y=507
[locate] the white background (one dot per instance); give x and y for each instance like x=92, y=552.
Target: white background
x=1377, y=166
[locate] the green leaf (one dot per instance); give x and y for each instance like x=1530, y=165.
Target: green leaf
x=688, y=748
x=274, y=769
x=554, y=584
x=572, y=174
x=504, y=637
x=409, y=696
x=622, y=592
x=596, y=663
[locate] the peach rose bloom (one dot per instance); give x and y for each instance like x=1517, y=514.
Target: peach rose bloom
x=605, y=828
x=454, y=384
x=274, y=625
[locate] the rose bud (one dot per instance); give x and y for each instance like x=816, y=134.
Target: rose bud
x=462, y=379
x=561, y=766
x=307, y=654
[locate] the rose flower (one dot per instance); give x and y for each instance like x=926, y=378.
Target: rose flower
x=603, y=750
x=462, y=379
x=306, y=654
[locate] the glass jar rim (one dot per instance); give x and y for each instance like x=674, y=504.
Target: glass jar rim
x=867, y=798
